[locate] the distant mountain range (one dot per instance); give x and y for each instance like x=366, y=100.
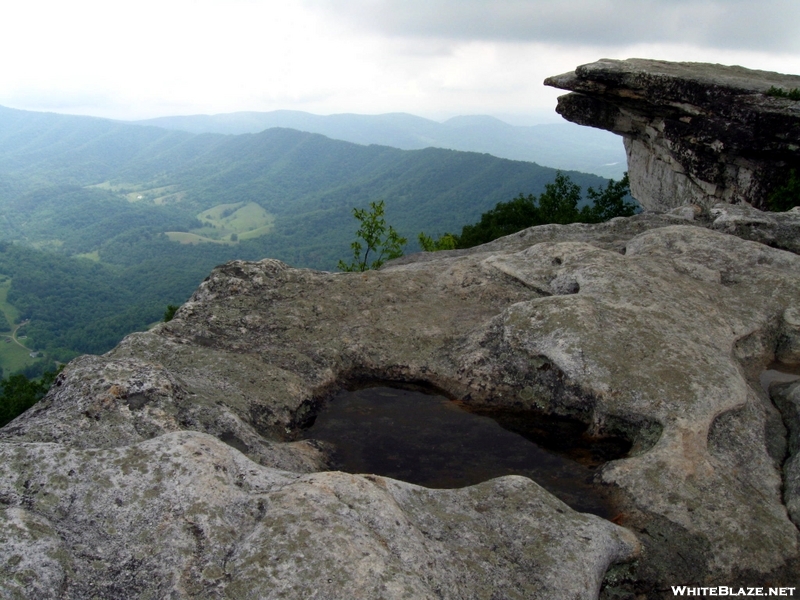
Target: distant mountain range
x=299, y=178
x=103, y=223
x=559, y=145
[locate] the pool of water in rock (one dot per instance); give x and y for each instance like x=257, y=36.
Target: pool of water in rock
x=778, y=373
x=431, y=441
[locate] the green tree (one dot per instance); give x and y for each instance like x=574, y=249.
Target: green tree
x=504, y=219
x=559, y=201
x=610, y=202
x=786, y=196
x=557, y=204
x=793, y=94
x=170, y=312
x=20, y=393
x=379, y=240
x=446, y=241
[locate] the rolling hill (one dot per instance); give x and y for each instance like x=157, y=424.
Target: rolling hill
x=105, y=223
x=559, y=145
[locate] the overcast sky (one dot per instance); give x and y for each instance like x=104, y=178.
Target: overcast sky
x=434, y=58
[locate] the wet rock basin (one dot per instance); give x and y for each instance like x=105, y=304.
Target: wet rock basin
x=778, y=372
x=415, y=435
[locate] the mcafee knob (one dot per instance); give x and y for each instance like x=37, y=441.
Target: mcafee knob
x=694, y=132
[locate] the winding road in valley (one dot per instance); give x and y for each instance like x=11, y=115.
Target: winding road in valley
x=13, y=336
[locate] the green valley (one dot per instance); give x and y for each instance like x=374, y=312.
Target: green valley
x=103, y=224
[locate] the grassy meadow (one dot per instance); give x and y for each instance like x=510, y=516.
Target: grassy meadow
x=13, y=357
x=227, y=224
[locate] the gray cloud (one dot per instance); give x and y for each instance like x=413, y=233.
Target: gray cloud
x=768, y=25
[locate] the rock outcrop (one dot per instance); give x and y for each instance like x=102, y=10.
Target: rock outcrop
x=694, y=133
x=170, y=467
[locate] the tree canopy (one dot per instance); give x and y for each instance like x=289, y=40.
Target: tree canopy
x=557, y=204
x=18, y=393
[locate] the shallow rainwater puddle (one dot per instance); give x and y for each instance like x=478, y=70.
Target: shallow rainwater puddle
x=429, y=440
x=778, y=372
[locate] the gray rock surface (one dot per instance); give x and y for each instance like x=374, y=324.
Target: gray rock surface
x=787, y=397
x=694, y=133
x=183, y=515
x=169, y=467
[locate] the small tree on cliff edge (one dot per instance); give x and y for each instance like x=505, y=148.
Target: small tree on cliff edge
x=381, y=242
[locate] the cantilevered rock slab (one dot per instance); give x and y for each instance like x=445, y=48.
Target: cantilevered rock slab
x=695, y=133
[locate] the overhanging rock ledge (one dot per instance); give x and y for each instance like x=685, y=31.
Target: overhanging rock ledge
x=694, y=133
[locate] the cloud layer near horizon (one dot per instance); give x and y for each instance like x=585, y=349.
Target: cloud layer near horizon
x=434, y=58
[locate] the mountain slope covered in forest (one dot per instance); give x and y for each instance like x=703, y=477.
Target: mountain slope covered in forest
x=560, y=145
x=150, y=211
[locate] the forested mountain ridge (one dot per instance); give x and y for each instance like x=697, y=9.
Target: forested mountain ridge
x=48, y=148
x=561, y=145
x=124, y=195
x=300, y=178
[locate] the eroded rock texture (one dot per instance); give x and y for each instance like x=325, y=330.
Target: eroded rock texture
x=694, y=133
x=168, y=468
